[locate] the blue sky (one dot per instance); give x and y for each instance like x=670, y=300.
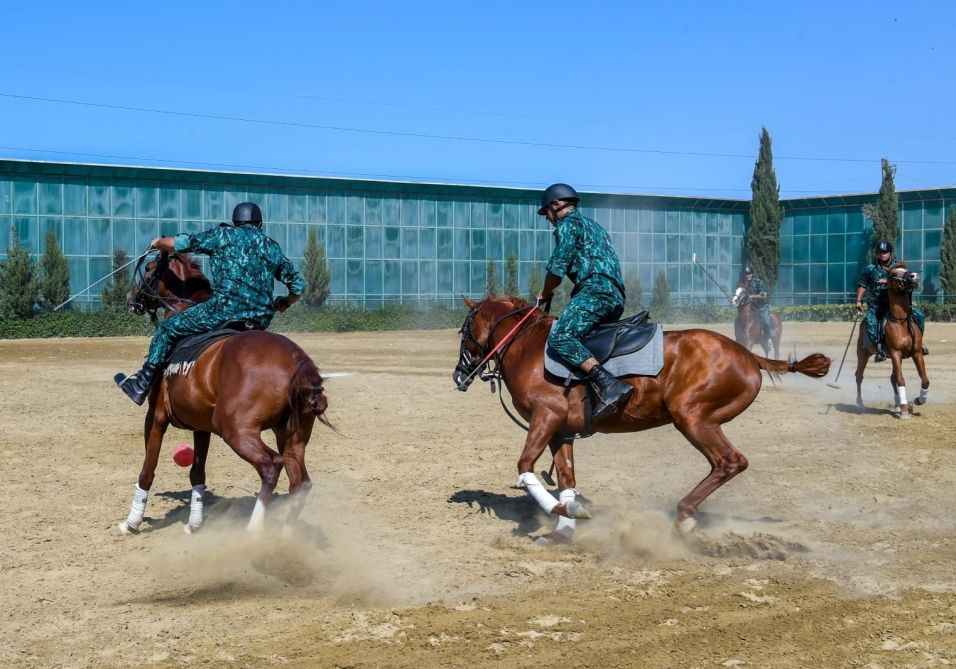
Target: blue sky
x=628, y=97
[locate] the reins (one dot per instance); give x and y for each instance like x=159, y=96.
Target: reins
x=147, y=286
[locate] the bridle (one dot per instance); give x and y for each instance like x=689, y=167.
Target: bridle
x=486, y=365
x=146, y=298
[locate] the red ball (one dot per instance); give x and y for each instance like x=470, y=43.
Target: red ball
x=183, y=455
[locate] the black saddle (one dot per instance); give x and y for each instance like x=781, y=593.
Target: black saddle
x=610, y=340
x=191, y=347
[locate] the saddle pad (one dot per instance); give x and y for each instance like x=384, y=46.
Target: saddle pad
x=191, y=347
x=647, y=361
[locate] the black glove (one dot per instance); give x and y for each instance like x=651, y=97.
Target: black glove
x=280, y=304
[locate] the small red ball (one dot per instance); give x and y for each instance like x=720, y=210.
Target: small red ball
x=183, y=455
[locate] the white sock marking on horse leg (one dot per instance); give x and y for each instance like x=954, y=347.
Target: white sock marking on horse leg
x=566, y=526
x=138, y=508
x=196, y=506
x=530, y=482
x=257, y=521
x=901, y=395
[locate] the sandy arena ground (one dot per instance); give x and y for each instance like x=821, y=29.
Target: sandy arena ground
x=837, y=548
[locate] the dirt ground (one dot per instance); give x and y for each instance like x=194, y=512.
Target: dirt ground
x=836, y=548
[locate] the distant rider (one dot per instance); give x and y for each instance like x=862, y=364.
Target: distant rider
x=759, y=297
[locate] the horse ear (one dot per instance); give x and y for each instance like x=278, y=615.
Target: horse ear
x=470, y=303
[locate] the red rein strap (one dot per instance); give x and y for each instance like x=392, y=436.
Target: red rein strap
x=508, y=336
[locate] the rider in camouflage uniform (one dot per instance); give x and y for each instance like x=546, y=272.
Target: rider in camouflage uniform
x=583, y=252
x=873, y=284
x=759, y=297
x=245, y=263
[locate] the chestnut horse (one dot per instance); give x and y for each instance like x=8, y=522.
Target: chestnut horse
x=239, y=386
x=747, y=329
x=707, y=380
x=902, y=339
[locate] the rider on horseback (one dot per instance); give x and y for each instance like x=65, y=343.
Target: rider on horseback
x=583, y=252
x=757, y=291
x=245, y=263
x=873, y=284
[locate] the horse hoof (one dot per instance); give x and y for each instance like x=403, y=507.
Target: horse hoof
x=905, y=415
x=919, y=402
x=687, y=525
x=577, y=510
x=189, y=529
x=124, y=528
x=553, y=539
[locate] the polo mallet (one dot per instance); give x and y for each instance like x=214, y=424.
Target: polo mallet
x=852, y=330
x=693, y=259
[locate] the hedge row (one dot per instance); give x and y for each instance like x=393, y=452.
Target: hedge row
x=113, y=322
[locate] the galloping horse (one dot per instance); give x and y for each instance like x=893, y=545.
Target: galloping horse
x=706, y=381
x=747, y=330
x=902, y=339
x=239, y=386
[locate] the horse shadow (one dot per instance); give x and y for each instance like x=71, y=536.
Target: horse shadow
x=235, y=510
x=522, y=511
x=861, y=411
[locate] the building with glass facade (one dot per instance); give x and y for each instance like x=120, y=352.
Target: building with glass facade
x=398, y=242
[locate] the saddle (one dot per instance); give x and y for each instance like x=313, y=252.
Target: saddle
x=190, y=348
x=610, y=340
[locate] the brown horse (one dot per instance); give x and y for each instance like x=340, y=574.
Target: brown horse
x=706, y=381
x=747, y=329
x=902, y=339
x=240, y=386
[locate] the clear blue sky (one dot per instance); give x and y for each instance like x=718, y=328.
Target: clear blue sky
x=622, y=97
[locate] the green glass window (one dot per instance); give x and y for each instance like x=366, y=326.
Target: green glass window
x=526, y=245
x=297, y=207
x=373, y=242
x=462, y=215
x=427, y=277
x=478, y=244
x=214, y=206
x=24, y=196
x=801, y=225
x=912, y=216
x=373, y=278
x=101, y=237
x=493, y=244
x=836, y=248
x=495, y=215
x=124, y=236
x=478, y=215
x=50, y=197
x=818, y=248
x=146, y=231
x=462, y=245
x=463, y=278
x=427, y=243
x=410, y=212
x=168, y=203
x=336, y=208
x=818, y=223
x=100, y=200
x=147, y=202
x=277, y=206
x=428, y=214
x=355, y=242
x=192, y=203
x=445, y=277
x=337, y=271
x=444, y=214
x=446, y=247
x=6, y=199
x=409, y=278
x=543, y=244
x=912, y=246
x=336, y=241
x=409, y=243
x=317, y=209
x=123, y=202
x=373, y=211
x=355, y=282
x=75, y=236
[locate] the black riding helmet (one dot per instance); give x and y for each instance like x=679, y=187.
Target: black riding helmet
x=557, y=192
x=746, y=270
x=883, y=246
x=247, y=213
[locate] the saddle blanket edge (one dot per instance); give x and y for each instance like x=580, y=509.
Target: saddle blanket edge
x=647, y=361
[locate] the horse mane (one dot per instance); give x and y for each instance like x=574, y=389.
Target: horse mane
x=190, y=276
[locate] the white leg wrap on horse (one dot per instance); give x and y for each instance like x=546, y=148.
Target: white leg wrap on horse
x=901, y=395
x=195, y=506
x=530, y=482
x=566, y=526
x=138, y=509
x=257, y=522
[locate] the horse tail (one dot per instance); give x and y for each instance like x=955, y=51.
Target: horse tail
x=306, y=392
x=816, y=365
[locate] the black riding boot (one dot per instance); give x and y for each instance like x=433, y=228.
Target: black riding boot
x=611, y=392
x=880, y=355
x=136, y=386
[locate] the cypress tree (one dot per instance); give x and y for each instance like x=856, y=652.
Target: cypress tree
x=885, y=213
x=762, y=239
x=511, y=274
x=114, y=292
x=55, y=278
x=633, y=292
x=315, y=272
x=491, y=287
x=947, y=254
x=534, y=282
x=19, y=282
x=661, y=297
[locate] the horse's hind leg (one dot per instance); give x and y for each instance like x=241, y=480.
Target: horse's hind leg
x=248, y=445
x=920, y=363
x=725, y=463
x=292, y=448
x=197, y=479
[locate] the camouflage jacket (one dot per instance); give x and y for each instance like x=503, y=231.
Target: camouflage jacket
x=245, y=264
x=870, y=278
x=584, y=252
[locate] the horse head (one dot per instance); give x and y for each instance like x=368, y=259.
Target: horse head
x=901, y=280
x=169, y=281
x=477, y=335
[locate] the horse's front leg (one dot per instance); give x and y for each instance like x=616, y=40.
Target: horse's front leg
x=568, y=508
x=862, y=357
x=197, y=479
x=920, y=363
x=154, y=429
x=899, y=384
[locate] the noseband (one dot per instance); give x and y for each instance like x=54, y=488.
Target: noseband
x=469, y=362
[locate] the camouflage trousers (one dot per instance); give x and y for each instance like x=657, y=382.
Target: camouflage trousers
x=874, y=315
x=766, y=323
x=203, y=317
x=583, y=313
